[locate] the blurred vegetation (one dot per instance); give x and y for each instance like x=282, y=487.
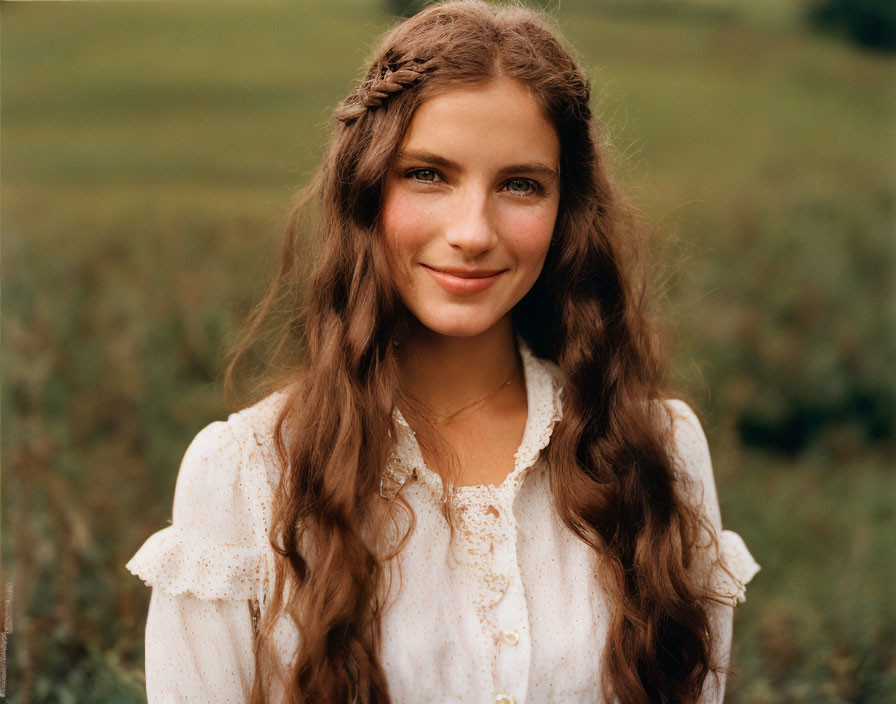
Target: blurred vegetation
x=406, y=8
x=870, y=23
x=149, y=154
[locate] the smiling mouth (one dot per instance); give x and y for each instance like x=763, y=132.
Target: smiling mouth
x=464, y=281
x=466, y=273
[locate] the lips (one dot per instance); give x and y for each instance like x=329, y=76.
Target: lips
x=464, y=281
x=466, y=273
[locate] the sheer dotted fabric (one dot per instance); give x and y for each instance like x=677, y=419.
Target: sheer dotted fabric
x=508, y=609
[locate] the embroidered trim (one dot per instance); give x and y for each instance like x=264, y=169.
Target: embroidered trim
x=545, y=409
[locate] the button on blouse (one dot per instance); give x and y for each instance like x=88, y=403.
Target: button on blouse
x=506, y=608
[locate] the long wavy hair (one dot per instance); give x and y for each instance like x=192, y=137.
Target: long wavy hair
x=333, y=355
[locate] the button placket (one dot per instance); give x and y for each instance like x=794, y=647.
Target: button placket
x=509, y=636
x=510, y=617
x=482, y=554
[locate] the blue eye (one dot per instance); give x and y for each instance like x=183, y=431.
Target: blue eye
x=521, y=186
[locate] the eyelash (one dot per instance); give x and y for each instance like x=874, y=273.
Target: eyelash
x=534, y=186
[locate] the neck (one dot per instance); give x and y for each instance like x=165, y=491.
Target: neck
x=444, y=373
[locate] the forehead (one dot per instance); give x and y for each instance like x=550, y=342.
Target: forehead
x=498, y=121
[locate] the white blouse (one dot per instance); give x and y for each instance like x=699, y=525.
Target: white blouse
x=508, y=611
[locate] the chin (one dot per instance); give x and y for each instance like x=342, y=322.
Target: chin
x=457, y=325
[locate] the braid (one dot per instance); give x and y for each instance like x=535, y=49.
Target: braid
x=393, y=77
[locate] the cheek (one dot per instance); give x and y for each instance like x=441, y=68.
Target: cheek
x=532, y=233
x=404, y=225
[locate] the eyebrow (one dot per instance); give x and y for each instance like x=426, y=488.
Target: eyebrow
x=535, y=168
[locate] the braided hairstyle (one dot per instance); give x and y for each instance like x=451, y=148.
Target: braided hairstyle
x=393, y=76
x=612, y=477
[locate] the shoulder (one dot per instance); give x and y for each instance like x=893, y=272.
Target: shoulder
x=213, y=460
x=224, y=482
x=217, y=544
x=729, y=565
x=255, y=426
x=260, y=419
x=683, y=429
x=689, y=449
x=686, y=433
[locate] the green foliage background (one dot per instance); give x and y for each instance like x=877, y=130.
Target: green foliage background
x=149, y=151
x=870, y=23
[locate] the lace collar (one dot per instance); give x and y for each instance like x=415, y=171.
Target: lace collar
x=544, y=399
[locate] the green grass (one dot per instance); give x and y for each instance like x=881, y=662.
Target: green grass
x=149, y=151
x=819, y=622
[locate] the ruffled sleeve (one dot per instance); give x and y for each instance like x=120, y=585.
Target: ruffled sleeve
x=205, y=569
x=178, y=561
x=214, y=548
x=728, y=571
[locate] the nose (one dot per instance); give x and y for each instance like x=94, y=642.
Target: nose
x=471, y=227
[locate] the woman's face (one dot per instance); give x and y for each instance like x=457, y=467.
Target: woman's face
x=470, y=204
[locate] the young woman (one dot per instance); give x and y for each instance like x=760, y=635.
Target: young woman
x=465, y=484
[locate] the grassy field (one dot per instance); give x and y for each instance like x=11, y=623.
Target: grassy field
x=149, y=151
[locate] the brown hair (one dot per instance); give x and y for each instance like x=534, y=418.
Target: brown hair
x=612, y=475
